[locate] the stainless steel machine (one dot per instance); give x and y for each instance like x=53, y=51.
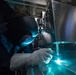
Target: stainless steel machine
x=64, y=16
x=63, y=20
x=60, y=23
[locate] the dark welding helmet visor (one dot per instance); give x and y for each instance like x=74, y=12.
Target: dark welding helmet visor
x=20, y=27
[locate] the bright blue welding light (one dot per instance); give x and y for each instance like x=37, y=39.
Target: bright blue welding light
x=28, y=41
x=58, y=61
x=34, y=34
x=63, y=42
x=62, y=62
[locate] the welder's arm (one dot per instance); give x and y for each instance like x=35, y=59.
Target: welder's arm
x=19, y=60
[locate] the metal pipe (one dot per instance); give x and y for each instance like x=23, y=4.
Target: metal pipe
x=15, y=2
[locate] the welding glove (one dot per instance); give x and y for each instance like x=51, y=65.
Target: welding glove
x=41, y=56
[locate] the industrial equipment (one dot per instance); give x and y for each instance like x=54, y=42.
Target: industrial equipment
x=62, y=19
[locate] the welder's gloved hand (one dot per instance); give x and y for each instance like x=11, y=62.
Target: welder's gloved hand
x=41, y=56
x=38, y=57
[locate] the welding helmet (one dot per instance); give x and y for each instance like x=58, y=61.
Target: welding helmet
x=22, y=29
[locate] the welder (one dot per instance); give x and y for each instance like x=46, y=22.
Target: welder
x=15, y=45
x=22, y=31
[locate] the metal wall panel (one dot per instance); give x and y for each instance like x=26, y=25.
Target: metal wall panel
x=64, y=21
